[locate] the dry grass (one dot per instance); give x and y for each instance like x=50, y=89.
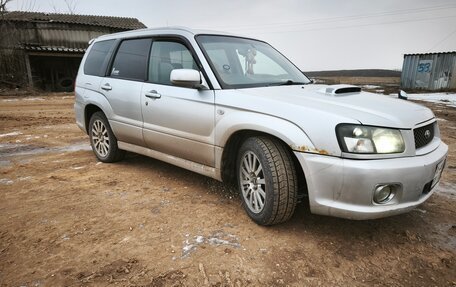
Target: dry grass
x=387, y=81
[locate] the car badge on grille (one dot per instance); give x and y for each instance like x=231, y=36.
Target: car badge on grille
x=427, y=134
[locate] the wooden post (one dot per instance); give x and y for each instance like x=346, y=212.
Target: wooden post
x=29, y=71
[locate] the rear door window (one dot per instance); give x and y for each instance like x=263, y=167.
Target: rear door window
x=131, y=60
x=97, y=60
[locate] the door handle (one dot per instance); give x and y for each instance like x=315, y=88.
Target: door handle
x=106, y=87
x=153, y=95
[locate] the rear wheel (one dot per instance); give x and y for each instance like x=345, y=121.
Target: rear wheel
x=102, y=139
x=267, y=180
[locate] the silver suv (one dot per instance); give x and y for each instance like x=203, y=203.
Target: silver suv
x=237, y=110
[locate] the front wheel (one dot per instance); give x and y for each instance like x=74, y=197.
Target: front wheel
x=103, y=140
x=267, y=180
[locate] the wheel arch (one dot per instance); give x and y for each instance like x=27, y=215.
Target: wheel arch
x=89, y=110
x=231, y=149
x=94, y=102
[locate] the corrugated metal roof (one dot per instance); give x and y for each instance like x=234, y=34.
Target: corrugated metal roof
x=436, y=53
x=92, y=20
x=38, y=48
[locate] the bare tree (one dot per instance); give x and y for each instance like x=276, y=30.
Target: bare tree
x=51, y=3
x=3, y=5
x=71, y=5
x=12, y=68
x=26, y=5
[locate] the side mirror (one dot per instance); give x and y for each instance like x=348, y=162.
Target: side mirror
x=188, y=78
x=402, y=95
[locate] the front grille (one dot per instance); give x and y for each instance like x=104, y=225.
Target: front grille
x=424, y=135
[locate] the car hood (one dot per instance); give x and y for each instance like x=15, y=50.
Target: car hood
x=366, y=108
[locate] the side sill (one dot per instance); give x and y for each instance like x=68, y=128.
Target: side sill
x=183, y=163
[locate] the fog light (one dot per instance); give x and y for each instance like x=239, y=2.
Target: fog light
x=384, y=193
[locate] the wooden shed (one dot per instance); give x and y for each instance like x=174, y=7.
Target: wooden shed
x=43, y=50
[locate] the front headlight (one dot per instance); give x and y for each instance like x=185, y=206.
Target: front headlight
x=368, y=140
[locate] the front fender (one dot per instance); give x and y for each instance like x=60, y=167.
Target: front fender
x=234, y=120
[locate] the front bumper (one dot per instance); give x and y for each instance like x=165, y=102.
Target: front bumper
x=345, y=187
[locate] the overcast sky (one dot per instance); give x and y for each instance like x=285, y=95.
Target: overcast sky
x=315, y=34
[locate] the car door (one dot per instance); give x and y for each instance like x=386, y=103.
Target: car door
x=122, y=88
x=178, y=121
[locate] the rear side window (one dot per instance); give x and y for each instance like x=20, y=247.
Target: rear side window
x=96, y=61
x=131, y=60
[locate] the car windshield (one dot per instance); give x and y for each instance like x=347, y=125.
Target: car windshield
x=245, y=63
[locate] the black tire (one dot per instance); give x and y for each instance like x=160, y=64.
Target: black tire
x=278, y=174
x=105, y=148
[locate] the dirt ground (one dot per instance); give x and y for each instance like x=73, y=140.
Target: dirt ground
x=68, y=220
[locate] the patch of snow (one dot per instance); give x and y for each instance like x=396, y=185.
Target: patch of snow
x=76, y=147
x=420, y=210
x=33, y=99
x=4, y=163
x=441, y=120
x=447, y=189
x=188, y=248
x=17, y=149
x=77, y=167
x=370, y=87
x=10, y=134
x=218, y=238
x=8, y=145
x=447, y=99
x=218, y=241
x=10, y=100
x=6, y=181
x=318, y=81
x=125, y=239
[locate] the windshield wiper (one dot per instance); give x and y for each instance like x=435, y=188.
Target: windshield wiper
x=287, y=83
